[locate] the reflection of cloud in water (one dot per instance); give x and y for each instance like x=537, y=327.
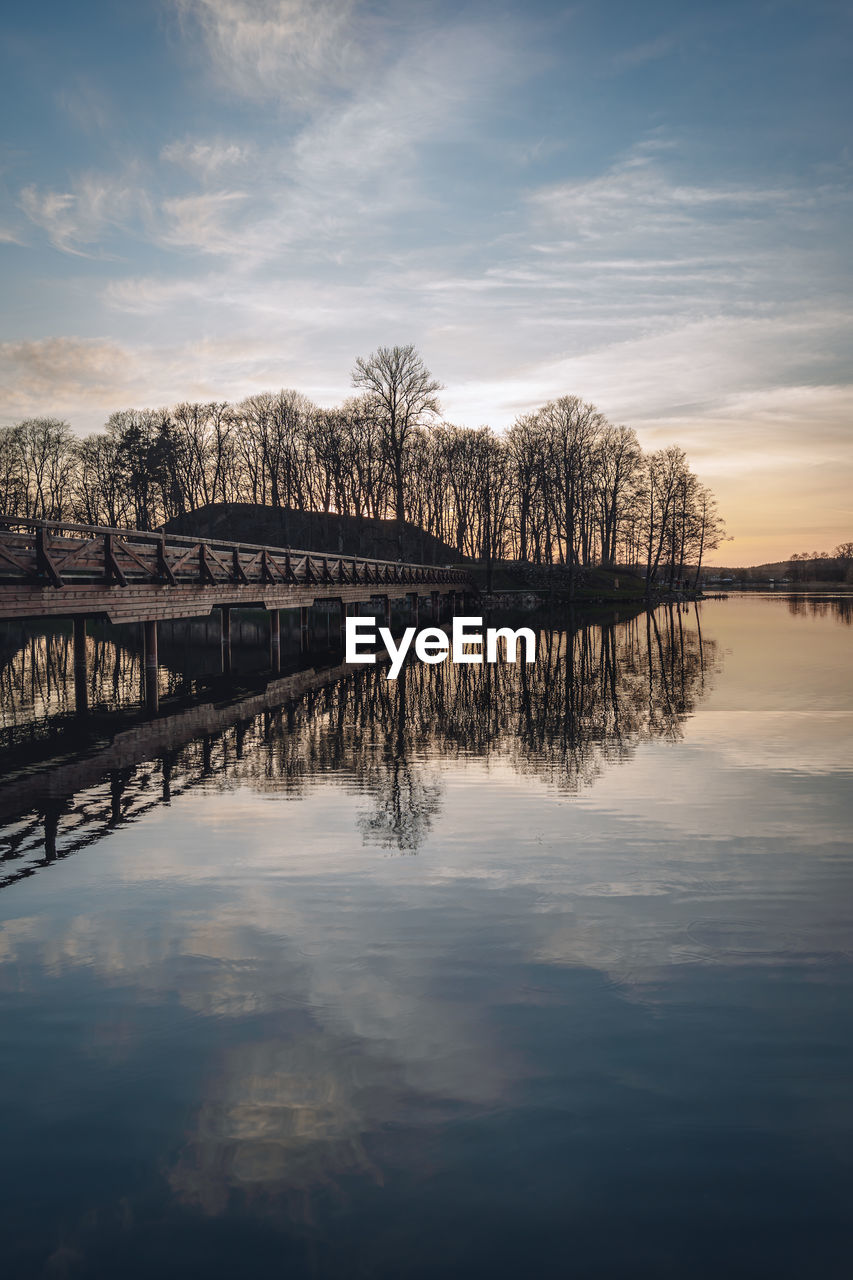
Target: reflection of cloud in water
x=273, y=1121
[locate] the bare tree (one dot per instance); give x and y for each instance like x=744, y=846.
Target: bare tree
x=524, y=443
x=45, y=452
x=13, y=497
x=708, y=526
x=100, y=494
x=664, y=471
x=404, y=395
x=371, y=476
x=141, y=458
x=572, y=429
x=617, y=464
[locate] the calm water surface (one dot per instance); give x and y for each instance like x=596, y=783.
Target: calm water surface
x=494, y=972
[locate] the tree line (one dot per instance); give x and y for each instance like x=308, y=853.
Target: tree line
x=562, y=486
x=822, y=566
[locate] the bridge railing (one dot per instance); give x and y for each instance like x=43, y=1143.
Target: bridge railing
x=52, y=554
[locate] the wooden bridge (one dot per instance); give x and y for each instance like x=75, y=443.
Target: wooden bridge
x=52, y=570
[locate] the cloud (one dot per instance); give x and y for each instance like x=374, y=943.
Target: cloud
x=203, y=222
x=430, y=92
x=330, y=179
x=686, y=370
x=82, y=216
x=333, y=189
x=39, y=376
x=294, y=51
x=637, y=199
x=148, y=296
x=84, y=380
x=207, y=159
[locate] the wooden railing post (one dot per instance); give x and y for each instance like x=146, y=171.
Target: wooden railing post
x=204, y=569
x=112, y=569
x=164, y=572
x=44, y=561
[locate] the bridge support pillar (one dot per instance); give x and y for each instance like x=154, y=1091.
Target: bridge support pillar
x=435, y=605
x=275, y=639
x=451, y=599
x=152, y=691
x=80, y=690
x=225, y=616
x=386, y=604
x=303, y=629
x=415, y=602
x=346, y=612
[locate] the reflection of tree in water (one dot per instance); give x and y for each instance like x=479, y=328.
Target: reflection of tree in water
x=838, y=607
x=37, y=667
x=405, y=797
x=36, y=674
x=591, y=696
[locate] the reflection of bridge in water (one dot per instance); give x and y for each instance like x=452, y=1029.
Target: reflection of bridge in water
x=50, y=570
x=591, y=697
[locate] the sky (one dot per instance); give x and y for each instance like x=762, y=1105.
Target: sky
x=646, y=205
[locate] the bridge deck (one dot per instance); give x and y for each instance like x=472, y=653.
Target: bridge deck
x=127, y=575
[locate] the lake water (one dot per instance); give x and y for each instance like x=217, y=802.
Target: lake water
x=495, y=972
